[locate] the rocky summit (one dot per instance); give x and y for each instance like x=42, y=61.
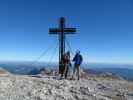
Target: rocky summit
x=24, y=87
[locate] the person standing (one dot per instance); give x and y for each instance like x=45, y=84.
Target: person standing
x=67, y=63
x=78, y=59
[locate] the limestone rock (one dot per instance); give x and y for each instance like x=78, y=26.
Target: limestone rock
x=3, y=72
x=16, y=87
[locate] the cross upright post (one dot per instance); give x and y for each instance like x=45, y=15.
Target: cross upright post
x=61, y=31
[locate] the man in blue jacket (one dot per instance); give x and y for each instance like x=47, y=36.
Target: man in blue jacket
x=78, y=59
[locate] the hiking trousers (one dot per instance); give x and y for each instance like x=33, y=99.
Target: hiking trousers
x=76, y=69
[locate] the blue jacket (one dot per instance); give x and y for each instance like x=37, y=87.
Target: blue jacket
x=78, y=59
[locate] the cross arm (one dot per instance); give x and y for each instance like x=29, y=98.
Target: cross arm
x=66, y=30
x=54, y=30
x=69, y=29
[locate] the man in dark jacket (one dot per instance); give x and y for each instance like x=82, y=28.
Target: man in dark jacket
x=78, y=59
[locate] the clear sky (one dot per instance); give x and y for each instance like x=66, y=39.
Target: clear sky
x=105, y=29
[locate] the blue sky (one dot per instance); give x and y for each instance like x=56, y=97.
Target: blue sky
x=105, y=32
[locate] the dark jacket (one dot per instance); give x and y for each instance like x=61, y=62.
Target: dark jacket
x=78, y=59
x=66, y=59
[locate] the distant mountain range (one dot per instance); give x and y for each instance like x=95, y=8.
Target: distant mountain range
x=126, y=73
x=27, y=68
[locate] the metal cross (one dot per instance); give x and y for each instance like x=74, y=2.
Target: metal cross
x=61, y=31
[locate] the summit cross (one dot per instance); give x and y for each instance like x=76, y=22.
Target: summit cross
x=61, y=32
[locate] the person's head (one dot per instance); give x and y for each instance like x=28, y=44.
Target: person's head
x=68, y=52
x=77, y=52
